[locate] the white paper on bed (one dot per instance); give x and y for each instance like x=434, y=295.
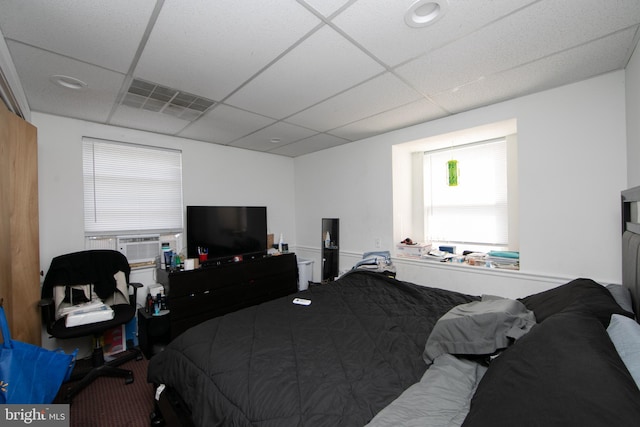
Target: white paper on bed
x=441, y=398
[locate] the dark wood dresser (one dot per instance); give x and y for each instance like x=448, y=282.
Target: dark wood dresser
x=204, y=293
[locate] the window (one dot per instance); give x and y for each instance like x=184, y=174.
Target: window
x=474, y=210
x=475, y=215
x=131, y=189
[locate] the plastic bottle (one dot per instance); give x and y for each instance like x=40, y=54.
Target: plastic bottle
x=158, y=304
x=327, y=240
x=148, y=308
x=280, y=243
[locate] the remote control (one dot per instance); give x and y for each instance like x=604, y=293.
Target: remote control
x=301, y=301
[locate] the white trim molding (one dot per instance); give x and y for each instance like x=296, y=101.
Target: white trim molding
x=11, y=91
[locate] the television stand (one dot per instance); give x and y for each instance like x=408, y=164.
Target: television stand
x=204, y=293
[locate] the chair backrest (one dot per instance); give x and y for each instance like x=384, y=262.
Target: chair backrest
x=82, y=276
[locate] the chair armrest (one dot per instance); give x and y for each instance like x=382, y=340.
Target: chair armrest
x=47, y=309
x=135, y=286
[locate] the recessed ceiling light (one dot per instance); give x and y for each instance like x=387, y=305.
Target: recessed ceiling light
x=425, y=12
x=68, y=82
x=275, y=140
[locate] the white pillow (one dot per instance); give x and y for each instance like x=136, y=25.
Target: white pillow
x=625, y=334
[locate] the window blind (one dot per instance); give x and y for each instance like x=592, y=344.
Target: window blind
x=476, y=209
x=131, y=189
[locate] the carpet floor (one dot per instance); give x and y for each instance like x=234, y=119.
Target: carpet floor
x=109, y=402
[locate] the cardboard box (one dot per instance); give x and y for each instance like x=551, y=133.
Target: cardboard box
x=413, y=251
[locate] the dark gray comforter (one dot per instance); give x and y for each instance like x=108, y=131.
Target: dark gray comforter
x=336, y=362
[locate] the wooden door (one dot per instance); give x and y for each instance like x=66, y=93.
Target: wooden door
x=19, y=227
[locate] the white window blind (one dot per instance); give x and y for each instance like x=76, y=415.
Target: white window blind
x=131, y=188
x=474, y=211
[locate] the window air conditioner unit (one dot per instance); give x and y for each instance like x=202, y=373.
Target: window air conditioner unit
x=140, y=249
x=100, y=242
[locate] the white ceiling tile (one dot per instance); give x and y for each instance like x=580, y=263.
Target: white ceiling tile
x=36, y=67
x=576, y=64
x=348, y=68
x=372, y=97
x=321, y=66
x=262, y=140
x=136, y=118
x=407, y=115
x=104, y=33
x=379, y=25
x=318, y=142
x=209, y=48
x=326, y=7
x=489, y=53
x=224, y=124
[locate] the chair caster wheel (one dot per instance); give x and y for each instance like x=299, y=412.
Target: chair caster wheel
x=129, y=380
x=156, y=419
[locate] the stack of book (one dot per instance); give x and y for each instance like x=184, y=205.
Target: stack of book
x=509, y=260
x=416, y=250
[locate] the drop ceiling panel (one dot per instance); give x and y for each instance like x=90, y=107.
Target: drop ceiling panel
x=36, y=67
x=136, y=118
x=209, y=48
x=576, y=64
x=372, y=97
x=321, y=66
x=312, y=144
x=94, y=31
x=326, y=7
x=379, y=26
x=489, y=53
x=284, y=132
x=302, y=70
x=224, y=124
x=558, y=25
x=407, y=115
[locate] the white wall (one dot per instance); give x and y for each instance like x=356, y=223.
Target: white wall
x=212, y=175
x=572, y=167
x=633, y=119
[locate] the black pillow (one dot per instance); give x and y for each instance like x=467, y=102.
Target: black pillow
x=564, y=372
x=593, y=297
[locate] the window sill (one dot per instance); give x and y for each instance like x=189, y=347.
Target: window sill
x=459, y=266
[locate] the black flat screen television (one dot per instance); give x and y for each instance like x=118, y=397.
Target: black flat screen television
x=226, y=231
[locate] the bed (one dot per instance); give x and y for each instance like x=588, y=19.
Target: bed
x=376, y=351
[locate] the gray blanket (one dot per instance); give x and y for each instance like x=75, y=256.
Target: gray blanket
x=479, y=328
x=440, y=399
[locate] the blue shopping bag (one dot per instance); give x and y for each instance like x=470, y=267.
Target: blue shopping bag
x=30, y=374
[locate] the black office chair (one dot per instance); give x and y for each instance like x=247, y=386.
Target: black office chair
x=82, y=277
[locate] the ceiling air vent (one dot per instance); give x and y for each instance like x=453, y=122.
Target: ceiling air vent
x=162, y=99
